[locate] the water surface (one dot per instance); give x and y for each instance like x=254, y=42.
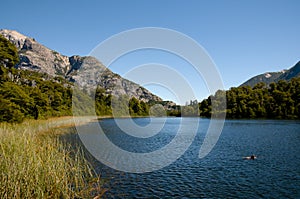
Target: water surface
x=221, y=174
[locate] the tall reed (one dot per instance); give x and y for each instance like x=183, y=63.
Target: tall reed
x=34, y=163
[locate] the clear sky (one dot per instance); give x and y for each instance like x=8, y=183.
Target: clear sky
x=244, y=38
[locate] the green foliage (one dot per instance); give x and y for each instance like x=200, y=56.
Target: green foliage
x=17, y=95
x=119, y=105
x=157, y=110
x=278, y=100
x=174, y=112
x=102, y=102
x=82, y=103
x=28, y=94
x=205, y=107
x=10, y=112
x=144, y=111
x=190, y=110
x=25, y=94
x=123, y=106
x=138, y=108
x=8, y=53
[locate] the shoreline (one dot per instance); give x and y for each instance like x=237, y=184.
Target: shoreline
x=72, y=121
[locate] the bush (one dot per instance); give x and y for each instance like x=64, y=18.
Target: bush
x=10, y=112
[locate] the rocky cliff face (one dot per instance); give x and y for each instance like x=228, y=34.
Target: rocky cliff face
x=87, y=72
x=34, y=56
x=270, y=77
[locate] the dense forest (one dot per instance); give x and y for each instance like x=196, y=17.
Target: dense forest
x=275, y=101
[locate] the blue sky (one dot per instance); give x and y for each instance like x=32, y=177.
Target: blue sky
x=244, y=38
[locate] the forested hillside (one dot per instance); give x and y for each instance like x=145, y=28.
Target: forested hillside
x=279, y=100
x=27, y=94
x=30, y=94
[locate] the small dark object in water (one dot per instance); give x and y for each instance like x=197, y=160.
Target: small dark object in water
x=252, y=157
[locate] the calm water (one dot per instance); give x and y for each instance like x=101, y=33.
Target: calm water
x=221, y=174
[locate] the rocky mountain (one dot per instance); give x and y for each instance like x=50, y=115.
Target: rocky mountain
x=88, y=72
x=270, y=77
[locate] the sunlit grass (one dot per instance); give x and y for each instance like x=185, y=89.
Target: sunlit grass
x=34, y=163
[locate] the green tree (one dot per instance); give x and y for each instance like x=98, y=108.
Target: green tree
x=103, y=102
x=10, y=112
x=278, y=100
x=8, y=53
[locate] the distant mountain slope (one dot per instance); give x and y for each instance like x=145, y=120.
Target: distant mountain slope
x=86, y=71
x=270, y=77
x=266, y=78
x=291, y=73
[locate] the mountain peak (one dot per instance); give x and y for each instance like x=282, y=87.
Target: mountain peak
x=86, y=71
x=13, y=34
x=15, y=37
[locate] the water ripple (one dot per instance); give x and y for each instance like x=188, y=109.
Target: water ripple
x=221, y=174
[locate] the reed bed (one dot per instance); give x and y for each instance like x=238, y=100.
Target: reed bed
x=34, y=163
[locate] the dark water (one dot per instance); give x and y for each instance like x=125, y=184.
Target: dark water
x=221, y=174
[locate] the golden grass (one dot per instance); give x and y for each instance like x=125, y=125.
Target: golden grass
x=34, y=163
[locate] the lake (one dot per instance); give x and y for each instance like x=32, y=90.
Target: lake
x=223, y=173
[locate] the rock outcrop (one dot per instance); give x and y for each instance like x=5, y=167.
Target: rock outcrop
x=87, y=72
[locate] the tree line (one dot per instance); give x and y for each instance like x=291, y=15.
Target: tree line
x=279, y=100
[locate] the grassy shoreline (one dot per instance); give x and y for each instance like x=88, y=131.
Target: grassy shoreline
x=34, y=163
